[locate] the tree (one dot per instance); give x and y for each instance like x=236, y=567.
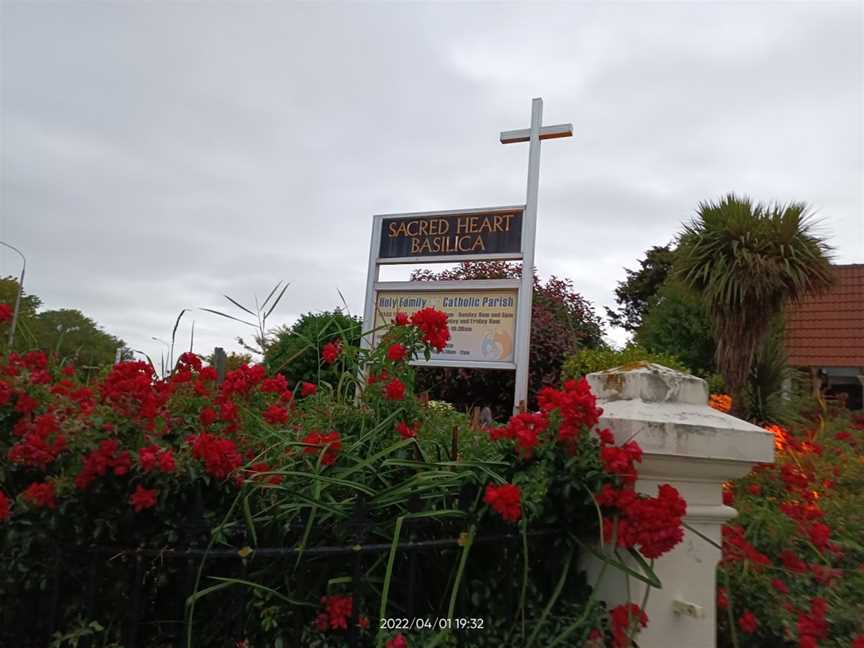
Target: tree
x=25, y=337
x=635, y=292
x=562, y=321
x=748, y=260
x=294, y=351
x=676, y=322
x=74, y=337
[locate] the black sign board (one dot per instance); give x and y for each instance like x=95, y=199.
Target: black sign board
x=471, y=233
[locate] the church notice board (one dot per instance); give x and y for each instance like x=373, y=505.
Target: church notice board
x=482, y=318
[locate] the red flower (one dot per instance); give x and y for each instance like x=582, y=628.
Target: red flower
x=318, y=441
x=626, y=620
x=651, y=524
x=397, y=352
x=307, y=389
x=399, y=641
x=275, y=384
x=728, y=497
x=6, y=313
x=153, y=457
x=337, y=612
x=189, y=360
x=401, y=319
x=97, y=463
x=722, y=598
x=5, y=506
x=506, y=500
x=819, y=535
x=754, y=489
x=143, y=498
x=525, y=429
x=619, y=461
x=40, y=495
x=748, y=622
x=395, y=390
x=276, y=415
x=858, y=642
x=41, y=441
x=207, y=416
x=792, y=562
x=265, y=468
x=813, y=627
x=780, y=586
x=331, y=351
x=406, y=431
x=219, y=455
x=433, y=324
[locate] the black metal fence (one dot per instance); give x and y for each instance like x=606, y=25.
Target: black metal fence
x=139, y=595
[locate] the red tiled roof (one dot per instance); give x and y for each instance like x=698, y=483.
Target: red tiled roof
x=828, y=330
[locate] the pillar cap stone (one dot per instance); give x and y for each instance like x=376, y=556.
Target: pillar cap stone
x=649, y=382
x=666, y=412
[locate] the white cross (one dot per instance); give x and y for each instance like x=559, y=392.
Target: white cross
x=534, y=135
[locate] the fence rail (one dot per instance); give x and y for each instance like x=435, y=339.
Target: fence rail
x=152, y=608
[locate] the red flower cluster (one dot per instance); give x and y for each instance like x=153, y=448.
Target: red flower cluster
x=98, y=462
x=42, y=442
x=506, y=500
x=276, y=415
x=336, y=614
x=736, y=547
x=5, y=506
x=40, y=495
x=6, y=312
x=813, y=627
x=748, y=622
x=525, y=429
x=626, y=620
x=577, y=404
x=243, y=379
x=620, y=461
x=308, y=389
x=397, y=352
x=331, y=352
x=143, y=498
x=129, y=389
x=433, y=324
x=318, y=441
x=399, y=641
x=406, y=431
x=219, y=455
x=153, y=457
x=651, y=524
x=394, y=390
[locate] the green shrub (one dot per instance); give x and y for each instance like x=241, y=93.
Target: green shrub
x=590, y=360
x=294, y=350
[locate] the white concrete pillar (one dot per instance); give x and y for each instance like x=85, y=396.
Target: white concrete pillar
x=694, y=448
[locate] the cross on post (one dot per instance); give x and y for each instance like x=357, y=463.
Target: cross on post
x=533, y=135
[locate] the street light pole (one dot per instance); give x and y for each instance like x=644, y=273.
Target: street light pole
x=18, y=296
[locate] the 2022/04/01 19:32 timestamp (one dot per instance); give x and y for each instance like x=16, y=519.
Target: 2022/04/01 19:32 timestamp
x=431, y=623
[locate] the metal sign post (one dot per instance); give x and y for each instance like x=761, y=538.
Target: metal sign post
x=533, y=135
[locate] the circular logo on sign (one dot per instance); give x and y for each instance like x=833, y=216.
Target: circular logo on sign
x=496, y=346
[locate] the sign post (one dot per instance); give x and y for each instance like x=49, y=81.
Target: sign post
x=480, y=313
x=533, y=135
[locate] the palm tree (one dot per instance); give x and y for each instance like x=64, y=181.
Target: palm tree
x=748, y=260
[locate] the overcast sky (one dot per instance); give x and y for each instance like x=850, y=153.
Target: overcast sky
x=157, y=155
